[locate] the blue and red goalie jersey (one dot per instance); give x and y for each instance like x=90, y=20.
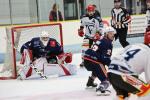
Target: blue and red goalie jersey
x=52, y=48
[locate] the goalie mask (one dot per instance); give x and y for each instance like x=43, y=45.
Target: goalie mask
x=109, y=32
x=44, y=37
x=90, y=10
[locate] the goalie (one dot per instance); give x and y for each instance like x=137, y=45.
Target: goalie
x=44, y=55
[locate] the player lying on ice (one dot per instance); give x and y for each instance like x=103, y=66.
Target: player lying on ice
x=125, y=69
x=44, y=56
x=96, y=58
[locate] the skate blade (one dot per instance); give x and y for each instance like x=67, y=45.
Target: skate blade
x=99, y=93
x=89, y=87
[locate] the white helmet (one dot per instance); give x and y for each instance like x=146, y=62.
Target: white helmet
x=109, y=29
x=44, y=34
x=44, y=37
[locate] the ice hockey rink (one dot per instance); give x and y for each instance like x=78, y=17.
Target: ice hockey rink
x=57, y=88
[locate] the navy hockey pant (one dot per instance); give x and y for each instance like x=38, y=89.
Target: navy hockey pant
x=122, y=35
x=98, y=70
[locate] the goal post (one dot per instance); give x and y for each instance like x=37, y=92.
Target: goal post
x=18, y=35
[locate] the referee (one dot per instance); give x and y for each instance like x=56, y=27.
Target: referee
x=120, y=20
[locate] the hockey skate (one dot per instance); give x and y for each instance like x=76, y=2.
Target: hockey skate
x=120, y=98
x=102, y=89
x=81, y=65
x=90, y=83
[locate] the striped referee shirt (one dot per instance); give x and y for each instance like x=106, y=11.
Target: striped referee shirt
x=120, y=18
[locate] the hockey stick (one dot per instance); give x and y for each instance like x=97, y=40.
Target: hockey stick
x=38, y=72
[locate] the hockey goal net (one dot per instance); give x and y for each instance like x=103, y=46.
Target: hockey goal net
x=16, y=37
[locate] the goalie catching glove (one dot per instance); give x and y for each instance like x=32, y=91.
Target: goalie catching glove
x=65, y=57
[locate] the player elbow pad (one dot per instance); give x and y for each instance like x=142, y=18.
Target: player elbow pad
x=26, y=55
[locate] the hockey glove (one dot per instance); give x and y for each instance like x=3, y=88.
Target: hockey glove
x=96, y=37
x=80, y=32
x=65, y=57
x=68, y=57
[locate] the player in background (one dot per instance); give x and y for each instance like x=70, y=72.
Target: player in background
x=120, y=20
x=92, y=28
x=40, y=51
x=125, y=68
x=95, y=59
x=97, y=15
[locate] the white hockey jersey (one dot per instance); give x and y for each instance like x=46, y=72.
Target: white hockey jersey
x=91, y=25
x=134, y=60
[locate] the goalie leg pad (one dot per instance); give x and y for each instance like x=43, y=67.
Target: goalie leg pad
x=39, y=63
x=25, y=69
x=56, y=69
x=28, y=69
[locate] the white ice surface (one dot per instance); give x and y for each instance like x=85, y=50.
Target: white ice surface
x=62, y=88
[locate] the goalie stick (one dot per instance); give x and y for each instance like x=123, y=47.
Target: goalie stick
x=38, y=72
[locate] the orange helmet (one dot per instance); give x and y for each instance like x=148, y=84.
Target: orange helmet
x=90, y=8
x=147, y=38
